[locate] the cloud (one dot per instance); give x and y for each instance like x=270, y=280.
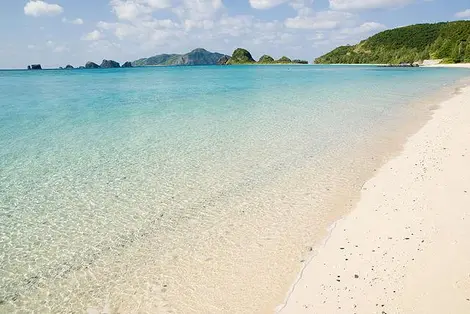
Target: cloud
x=138, y=10
x=37, y=8
x=198, y=10
x=303, y=7
x=319, y=21
x=76, y=21
x=158, y=4
x=92, y=36
x=463, y=14
x=265, y=4
x=366, y=4
x=129, y=10
x=365, y=28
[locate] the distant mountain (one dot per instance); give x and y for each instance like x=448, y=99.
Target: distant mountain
x=198, y=56
x=449, y=41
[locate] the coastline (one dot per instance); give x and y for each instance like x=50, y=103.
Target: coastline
x=255, y=249
x=452, y=65
x=387, y=247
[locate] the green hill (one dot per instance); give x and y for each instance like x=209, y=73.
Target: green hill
x=265, y=59
x=284, y=59
x=449, y=41
x=241, y=56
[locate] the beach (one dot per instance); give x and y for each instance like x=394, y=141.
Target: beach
x=405, y=247
x=142, y=197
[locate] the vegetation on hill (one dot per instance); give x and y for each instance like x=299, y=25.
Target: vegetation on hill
x=198, y=56
x=284, y=59
x=241, y=56
x=449, y=41
x=265, y=59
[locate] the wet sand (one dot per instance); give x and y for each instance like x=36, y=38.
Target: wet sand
x=405, y=248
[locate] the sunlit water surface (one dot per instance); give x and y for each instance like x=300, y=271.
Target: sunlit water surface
x=182, y=189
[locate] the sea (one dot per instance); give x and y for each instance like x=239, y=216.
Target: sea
x=188, y=189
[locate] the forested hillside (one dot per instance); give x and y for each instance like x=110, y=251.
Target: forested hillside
x=449, y=41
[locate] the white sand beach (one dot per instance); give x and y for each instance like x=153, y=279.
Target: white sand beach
x=405, y=248
x=456, y=65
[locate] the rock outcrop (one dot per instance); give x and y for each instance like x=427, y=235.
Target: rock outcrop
x=241, y=56
x=127, y=65
x=223, y=60
x=34, y=67
x=91, y=65
x=69, y=67
x=109, y=64
x=300, y=61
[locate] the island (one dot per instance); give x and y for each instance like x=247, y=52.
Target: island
x=199, y=56
x=243, y=56
x=34, y=67
x=447, y=42
x=91, y=65
x=109, y=64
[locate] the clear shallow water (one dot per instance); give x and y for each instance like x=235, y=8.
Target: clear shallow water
x=175, y=189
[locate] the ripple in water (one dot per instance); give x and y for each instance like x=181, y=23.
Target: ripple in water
x=182, y=190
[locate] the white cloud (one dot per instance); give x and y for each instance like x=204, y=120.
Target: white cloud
x=31, y=46
x=129, y=10
x=92, y=36
x=37, y=8
x=266, y=4
x=133, y=9
x=365, y=28
x=157, y=4
x=235, y=26
x=198, y=9
x=319, y=21
x=464, y=14
x=303, y=7
x=366, y=4
x=76, y=21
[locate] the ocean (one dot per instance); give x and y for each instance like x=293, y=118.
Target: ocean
x=187, y=189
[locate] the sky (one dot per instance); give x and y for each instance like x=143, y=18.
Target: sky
x=59, y=32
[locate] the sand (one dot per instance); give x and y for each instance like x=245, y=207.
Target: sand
x=405, y=248
x=457, y=65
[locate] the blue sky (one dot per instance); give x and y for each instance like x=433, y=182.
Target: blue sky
x=58, y=32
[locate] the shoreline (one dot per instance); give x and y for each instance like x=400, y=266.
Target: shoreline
x=255, y=249
x=451, y=65
x=385, y=248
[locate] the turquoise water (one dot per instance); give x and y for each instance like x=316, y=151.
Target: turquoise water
x=170, y=189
